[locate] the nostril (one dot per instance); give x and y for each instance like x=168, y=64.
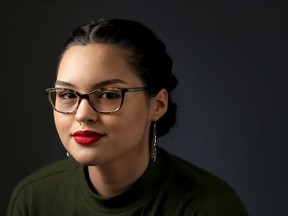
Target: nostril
x=85, y=113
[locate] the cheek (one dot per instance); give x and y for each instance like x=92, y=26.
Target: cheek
x=133, y=118
x=63, y=123
x=126, y=130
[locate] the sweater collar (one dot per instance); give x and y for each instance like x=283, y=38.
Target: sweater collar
x=137, y=194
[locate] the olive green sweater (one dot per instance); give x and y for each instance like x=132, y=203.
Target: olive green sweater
x=170, y=186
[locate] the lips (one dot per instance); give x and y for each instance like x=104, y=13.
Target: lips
x=86, y=137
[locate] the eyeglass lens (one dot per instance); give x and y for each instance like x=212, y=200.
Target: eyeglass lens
x=107, y=100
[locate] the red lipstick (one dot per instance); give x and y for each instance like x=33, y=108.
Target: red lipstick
x=86, y=137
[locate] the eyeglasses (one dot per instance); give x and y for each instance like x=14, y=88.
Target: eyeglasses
x=103, y=100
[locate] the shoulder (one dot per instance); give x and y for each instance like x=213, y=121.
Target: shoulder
x=192, y=174
x=200, y=191
x=50, y=171
x=47, y=185
x=54, y=174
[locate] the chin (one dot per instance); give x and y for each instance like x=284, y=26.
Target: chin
x=88, y=160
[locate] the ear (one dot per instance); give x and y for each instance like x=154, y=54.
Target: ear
x=159, y=104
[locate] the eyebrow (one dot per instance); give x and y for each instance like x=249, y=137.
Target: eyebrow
x=97, y=85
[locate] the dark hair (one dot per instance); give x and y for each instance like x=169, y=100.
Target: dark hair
x=148, y=56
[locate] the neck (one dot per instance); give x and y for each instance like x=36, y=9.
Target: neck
x=110, y=179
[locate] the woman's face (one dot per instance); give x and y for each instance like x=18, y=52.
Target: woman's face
x=124, y=135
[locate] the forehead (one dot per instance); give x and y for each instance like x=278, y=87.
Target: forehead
x=94, y=54
x=95, y=63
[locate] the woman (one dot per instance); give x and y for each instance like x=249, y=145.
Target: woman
x=111, y=101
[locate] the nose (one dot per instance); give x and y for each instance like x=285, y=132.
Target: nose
x=85, y=113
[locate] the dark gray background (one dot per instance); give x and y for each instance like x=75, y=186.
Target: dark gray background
x=231, y=61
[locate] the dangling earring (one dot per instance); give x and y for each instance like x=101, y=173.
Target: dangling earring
x=69, y=155
x=154, y=142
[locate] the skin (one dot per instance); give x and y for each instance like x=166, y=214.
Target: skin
x=121, y=156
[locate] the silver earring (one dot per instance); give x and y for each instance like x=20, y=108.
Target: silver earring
x=69, y=155
x=154, y=142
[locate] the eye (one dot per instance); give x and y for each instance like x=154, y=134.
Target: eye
x=111, y=94
x=67, y=95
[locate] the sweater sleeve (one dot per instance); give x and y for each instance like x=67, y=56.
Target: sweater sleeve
x=203, y=193
x=38, y=189
x=225, y=203
x=17, y=206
